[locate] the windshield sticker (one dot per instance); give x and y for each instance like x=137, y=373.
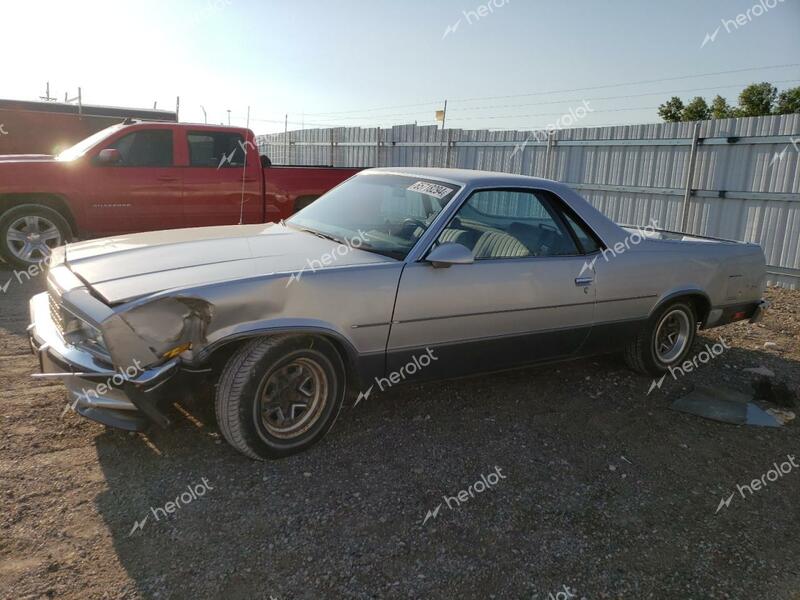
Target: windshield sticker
x=430, y=189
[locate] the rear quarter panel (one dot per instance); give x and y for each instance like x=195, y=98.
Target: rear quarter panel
x=632, y=284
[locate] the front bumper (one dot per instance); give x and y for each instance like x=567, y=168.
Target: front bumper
x=128, y=399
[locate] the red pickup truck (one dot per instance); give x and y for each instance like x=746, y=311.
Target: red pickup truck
x=139, y=176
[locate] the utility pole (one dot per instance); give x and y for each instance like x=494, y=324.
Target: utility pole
x=229, y=117
x=177, y=109
x=286, y=139
x=444, y=114
x=205, y=116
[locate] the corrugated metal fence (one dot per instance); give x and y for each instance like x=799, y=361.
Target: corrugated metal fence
x=729, y=178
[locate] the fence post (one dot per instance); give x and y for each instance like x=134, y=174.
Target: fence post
x=687, y=194
x=378, y=148
x=447, y=150
x=548, y=155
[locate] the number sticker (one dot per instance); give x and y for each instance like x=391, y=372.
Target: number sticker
x=430, y=189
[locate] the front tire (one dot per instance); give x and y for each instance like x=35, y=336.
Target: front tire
x=28, y=233
x=279, y=395
x=664, y=341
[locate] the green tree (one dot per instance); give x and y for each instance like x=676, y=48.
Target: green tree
x=756, y=99
x=696, y=110
x=672, y=110
x=720, y=109
x=788, y=102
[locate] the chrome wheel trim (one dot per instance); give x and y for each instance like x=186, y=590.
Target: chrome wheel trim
x=31, y=238
x=292, y=397
x=672, y=336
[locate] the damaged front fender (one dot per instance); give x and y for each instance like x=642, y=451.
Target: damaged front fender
x=149, y=331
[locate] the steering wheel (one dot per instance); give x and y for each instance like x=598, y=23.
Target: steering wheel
x=410, y=224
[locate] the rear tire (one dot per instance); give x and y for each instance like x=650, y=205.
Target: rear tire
x=664, y=341
x=279, y=395
x=28, y=233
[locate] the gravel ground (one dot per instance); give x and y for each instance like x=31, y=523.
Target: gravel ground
x=594, y=489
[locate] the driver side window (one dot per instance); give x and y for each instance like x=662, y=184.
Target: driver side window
x=509, y=224
x=145, y=148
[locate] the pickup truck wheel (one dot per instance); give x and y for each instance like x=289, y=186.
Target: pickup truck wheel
x=279, y=395
x=28, y=234
x=664, y=341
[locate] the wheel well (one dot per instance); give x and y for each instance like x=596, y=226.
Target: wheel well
x=699, y=303
x=220, y=356
x=57, y=203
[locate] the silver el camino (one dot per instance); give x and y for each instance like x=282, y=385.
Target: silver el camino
x=396, y=275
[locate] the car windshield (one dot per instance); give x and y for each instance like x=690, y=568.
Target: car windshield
x=380, y=213
x=81, y=147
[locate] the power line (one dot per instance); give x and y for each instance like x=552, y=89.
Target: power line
x=561, y=101
x=597, y=87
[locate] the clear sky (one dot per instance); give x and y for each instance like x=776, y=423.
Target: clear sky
x=348, y=57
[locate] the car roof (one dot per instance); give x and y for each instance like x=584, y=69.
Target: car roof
x=465, y=176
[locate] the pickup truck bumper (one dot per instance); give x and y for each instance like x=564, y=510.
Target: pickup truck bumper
x=97, y=392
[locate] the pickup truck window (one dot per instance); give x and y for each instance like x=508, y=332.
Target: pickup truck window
x=145, y=148
x=509, y=224
x=215, y=149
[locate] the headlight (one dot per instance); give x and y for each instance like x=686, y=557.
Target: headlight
x=81, y=333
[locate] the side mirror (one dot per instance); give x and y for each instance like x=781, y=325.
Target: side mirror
x=450, y=253
x=109, y=156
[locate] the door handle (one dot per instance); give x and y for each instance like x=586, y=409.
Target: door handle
x=584, y=281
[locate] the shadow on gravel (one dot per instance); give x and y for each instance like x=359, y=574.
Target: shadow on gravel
x=16, y=288
x=605, y=491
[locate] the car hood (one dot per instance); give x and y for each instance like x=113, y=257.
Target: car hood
x=127, y=267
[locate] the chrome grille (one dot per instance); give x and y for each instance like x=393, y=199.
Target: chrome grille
x=55, y=312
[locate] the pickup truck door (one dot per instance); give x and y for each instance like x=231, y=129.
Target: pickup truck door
x=523, y=300
x=217, y=187
x=142, y=191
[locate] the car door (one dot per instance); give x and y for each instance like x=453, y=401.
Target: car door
x=526, y=297
x=218, y=188
x=140, y=192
